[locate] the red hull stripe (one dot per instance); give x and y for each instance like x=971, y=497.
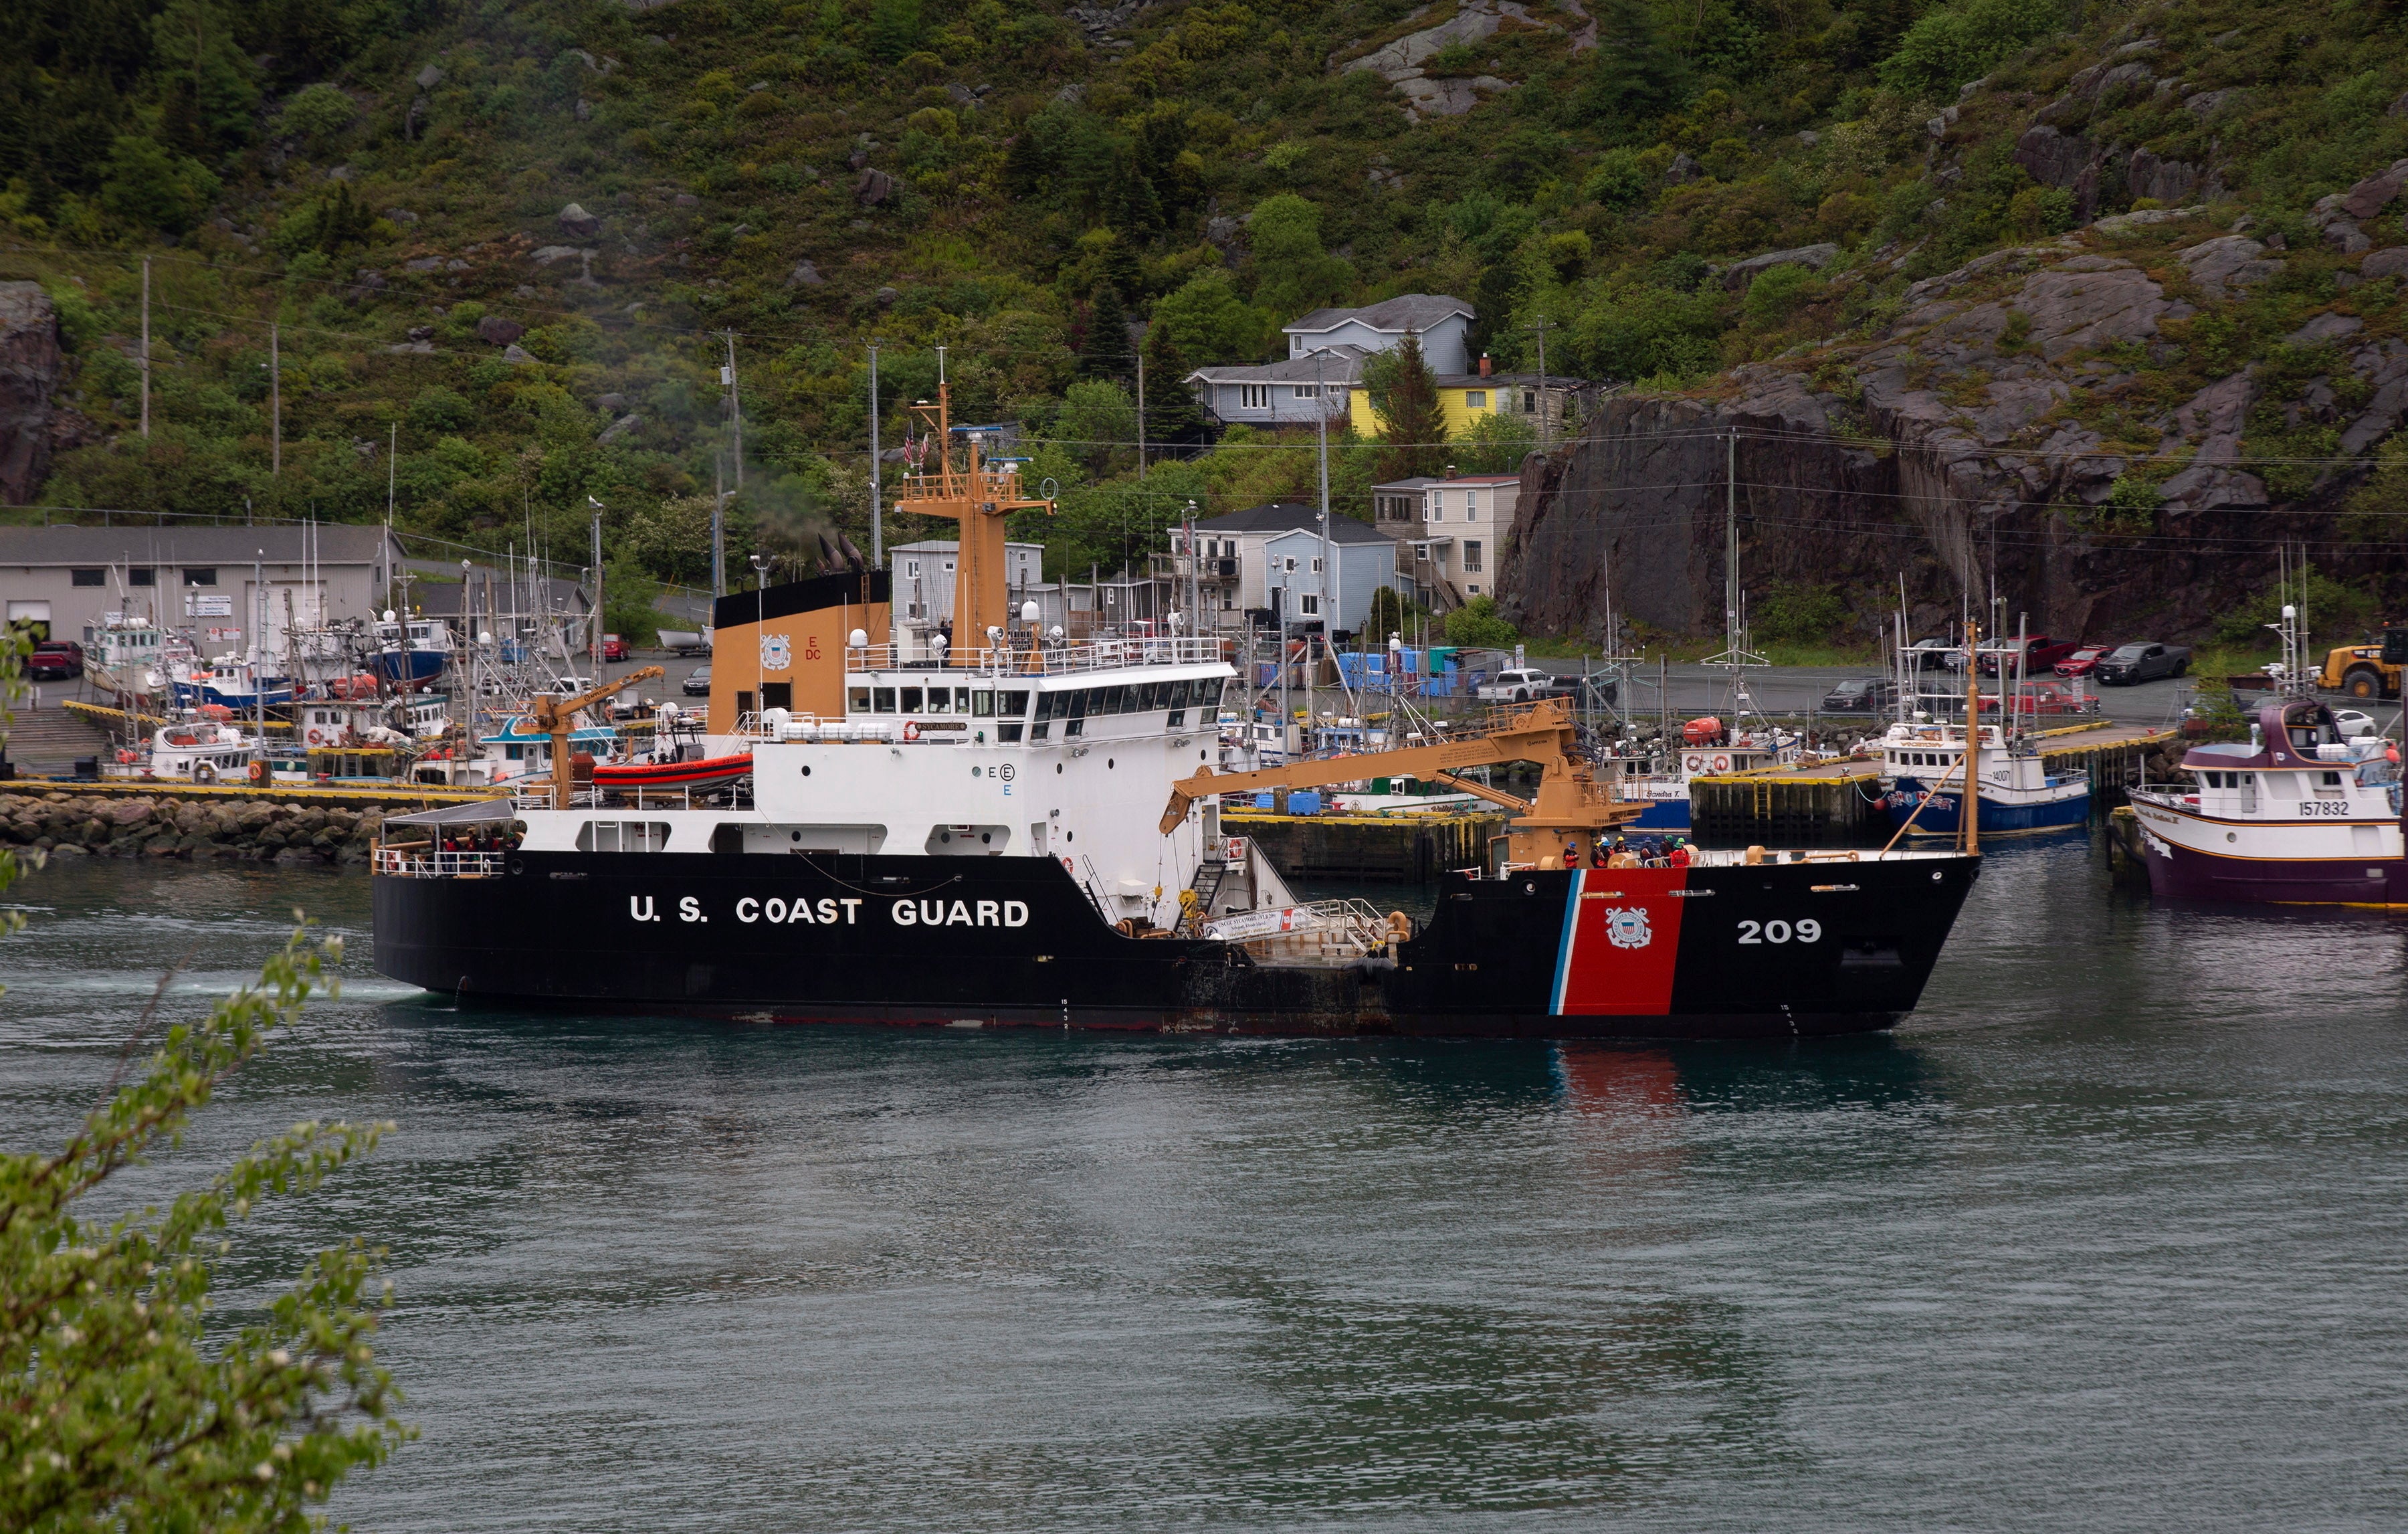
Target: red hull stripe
x=1622, y=936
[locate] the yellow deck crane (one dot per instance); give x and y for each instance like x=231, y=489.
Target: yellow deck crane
x=1572, y=807
x=555, y=717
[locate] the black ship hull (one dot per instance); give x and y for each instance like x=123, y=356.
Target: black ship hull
x=1775, y=950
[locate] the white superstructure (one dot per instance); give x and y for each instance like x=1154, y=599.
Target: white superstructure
x=1064, y=752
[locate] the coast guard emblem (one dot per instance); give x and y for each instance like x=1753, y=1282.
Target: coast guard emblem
x=777, y=652
x=1628, y=928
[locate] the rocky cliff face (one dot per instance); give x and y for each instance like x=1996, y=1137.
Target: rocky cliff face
x=30, y=362
x=1985, y=429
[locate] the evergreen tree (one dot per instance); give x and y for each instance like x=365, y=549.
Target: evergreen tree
x=1107, y=355
x=1172, y=417
x=1121, y=273
x=1633, y=76
x=1404, y=396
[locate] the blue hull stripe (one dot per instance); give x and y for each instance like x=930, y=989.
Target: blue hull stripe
x=1564, y=947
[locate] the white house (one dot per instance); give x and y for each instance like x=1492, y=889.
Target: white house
x=1292, y=392
x=1301, y=586
x=1462, y=529
x=1441, y=323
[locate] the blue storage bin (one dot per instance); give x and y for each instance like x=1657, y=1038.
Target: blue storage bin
x=1303, y=802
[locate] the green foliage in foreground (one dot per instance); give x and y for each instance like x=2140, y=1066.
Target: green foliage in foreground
x=124, y=1403
x=1475, y=625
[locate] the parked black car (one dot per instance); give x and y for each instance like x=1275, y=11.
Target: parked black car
x=1938, y=650
x=2142, y=660
x=1860, y=695
x=697, y=682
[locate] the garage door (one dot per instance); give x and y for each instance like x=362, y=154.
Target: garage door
x=33, y=618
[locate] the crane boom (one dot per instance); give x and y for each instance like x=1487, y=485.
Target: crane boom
x=1570, y=802
x=552, y=715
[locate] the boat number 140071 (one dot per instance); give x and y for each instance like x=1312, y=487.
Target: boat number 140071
x=1807, y=931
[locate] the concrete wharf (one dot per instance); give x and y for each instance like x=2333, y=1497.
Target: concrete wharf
x=1838, y=804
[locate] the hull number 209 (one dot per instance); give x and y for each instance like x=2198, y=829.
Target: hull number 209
x=1806, y=931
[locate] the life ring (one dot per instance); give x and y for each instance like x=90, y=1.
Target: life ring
x=204, y=773
x=317, y=735
x=1694, y=761
x=911, y=729
x=259, y=773
x=1721, y=764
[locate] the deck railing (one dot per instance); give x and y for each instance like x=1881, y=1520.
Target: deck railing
x=1044, y=659
x=422, y=860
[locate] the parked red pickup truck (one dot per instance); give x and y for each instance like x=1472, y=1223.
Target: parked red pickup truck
x=2041, y=654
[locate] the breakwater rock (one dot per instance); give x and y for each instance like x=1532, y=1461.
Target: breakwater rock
x=255, y=830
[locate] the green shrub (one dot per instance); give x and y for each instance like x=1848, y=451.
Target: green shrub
x=146, y=186
x=1475, y=625
x=1617, y=179
x=318, y=113
x=437, y=411
x=1777, y=294
x=1789, y=613
x=1952, y=44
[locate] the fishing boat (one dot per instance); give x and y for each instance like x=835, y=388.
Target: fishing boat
x=1027, y=831
x=2297, y=816
x=231, y=682
x=1923, y=766
x=1923, y=750
x=196, y=751
x=411, y=654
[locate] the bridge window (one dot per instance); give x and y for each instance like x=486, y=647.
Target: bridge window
x=911, y=701
x=1012, y=704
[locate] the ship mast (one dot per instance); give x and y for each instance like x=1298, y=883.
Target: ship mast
x=978, y=495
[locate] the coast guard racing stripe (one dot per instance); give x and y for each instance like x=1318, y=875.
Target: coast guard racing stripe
x=1622, y=933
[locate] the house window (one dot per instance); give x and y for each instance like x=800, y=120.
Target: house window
x=1316, y=565
x=86, y=577
x=1308, y=604
x=1472, y=588
x=193, y=577
x=911, y=567
x=1253, y=397
x=142, y=576
x=1307, y=390
x=948, y=566
x=1470, y=556
x=1475, y=399
x=1438, y=509
x=1529, y=402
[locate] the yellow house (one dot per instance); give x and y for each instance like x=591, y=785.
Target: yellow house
x=1468, y=399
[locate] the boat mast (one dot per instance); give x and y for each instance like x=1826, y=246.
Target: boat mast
x=1973, y=815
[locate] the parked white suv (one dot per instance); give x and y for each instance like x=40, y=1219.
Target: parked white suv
x=1519, y=687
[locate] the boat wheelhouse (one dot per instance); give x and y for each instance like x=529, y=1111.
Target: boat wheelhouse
x=2297, y=816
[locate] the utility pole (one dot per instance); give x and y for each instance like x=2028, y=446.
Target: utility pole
x=599, y=612
x=146, y=348
x=719, y=531
x=1321, y=430
x=1141, y=415
x=735, y=410
x=877, y=503
x=275, y=405
x=1541, y=325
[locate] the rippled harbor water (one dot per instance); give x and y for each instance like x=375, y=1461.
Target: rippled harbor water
x=2109, y=1236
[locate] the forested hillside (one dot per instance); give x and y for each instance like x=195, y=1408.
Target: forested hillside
x=391, y=183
